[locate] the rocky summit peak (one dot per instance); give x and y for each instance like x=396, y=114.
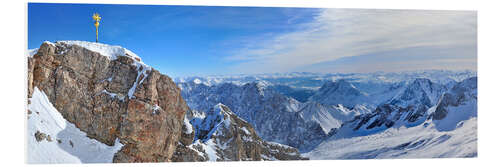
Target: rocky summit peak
x=110, y=51
x=87, y=83
x=108, y=93
x=421, y=83
x=339, y=92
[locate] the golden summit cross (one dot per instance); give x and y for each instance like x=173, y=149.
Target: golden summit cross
x=97, y=19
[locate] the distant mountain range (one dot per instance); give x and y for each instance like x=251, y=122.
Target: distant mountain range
x=344, y=106
x=88, y=99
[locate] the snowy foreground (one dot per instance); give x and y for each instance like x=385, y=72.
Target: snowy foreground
x=423, y=141
x=68, y=144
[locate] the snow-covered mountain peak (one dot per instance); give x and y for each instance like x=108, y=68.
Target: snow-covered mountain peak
x=110, y=51
x=206, y=124
x=344, y=83
x=420, y=91
x=344, y=87
x=470, y=83
x=456, y=105
x=328, y=116
x=339, y=92
x=197, y=81
x=263, y=84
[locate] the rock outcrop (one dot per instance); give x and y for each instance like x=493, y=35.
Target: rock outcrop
x=111, y=96
x=220, y=135
x=459, y=94
x=456, y=105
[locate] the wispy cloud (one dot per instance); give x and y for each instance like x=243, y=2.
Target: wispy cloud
x=341, y=33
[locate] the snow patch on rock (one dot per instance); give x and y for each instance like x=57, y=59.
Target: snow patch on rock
x=32, y=52
x=67, y=143
x=110, y=51
x=189, y=127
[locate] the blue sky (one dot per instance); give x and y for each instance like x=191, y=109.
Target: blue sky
x=200, y=40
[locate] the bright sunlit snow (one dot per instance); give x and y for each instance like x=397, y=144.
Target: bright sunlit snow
x=109, y=51
x=68, y=145
x=423, y=141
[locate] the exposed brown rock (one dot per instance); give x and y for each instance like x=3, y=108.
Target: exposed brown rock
x=39, y=136
x=30, y=77
x=91, y=91
x=49, y=139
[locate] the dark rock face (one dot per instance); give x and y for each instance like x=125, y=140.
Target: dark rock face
x=92, y=91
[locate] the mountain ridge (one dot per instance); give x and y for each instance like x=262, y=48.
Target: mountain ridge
x=108, y=93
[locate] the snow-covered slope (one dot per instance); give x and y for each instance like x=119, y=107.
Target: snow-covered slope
x=329, y=116
x=66, y=144
x=366, y=105
x=423, y=141
x=456, y=105
x=408, y=108
x=420, y=91
x=413, y=125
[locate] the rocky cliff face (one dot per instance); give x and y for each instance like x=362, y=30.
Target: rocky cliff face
x=109, y=93
x=220, y=135
x=111, y=96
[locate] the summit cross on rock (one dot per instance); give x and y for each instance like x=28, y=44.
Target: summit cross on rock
x=97, y=19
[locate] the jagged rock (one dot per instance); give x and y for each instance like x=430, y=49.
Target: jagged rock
x=408, y=108
x=30, y=77
x=70, y=81
x=111, y=97
x=461, y=92
x=220, y=135
x=184, y=152
x=274, y=116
